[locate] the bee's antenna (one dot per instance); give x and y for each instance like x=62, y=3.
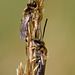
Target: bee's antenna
x=44, y=28
x=40, y=31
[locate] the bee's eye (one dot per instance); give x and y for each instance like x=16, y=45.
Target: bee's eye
x=37, y=42
x=26, y=40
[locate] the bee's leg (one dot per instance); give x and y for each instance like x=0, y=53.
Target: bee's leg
x=33, y=59
x=37, y=67
x=36, y=60
x=31, y=48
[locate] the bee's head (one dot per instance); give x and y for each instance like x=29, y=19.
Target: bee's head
x=32, y=5
x=39, y=43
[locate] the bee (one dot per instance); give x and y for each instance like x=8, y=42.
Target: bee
x=32, y=15
x=26, y=20
x=40, y=52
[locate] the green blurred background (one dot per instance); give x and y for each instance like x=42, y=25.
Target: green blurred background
x=59, y=37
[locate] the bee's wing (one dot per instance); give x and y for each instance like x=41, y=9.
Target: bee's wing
x=22, y=30
x=41, y=69
x=24, y=27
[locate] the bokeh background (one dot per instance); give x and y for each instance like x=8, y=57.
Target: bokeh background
x=59, y=37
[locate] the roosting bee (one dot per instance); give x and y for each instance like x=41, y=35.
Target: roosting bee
x=27, y=18
x=40, y=52
x=32, y=14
